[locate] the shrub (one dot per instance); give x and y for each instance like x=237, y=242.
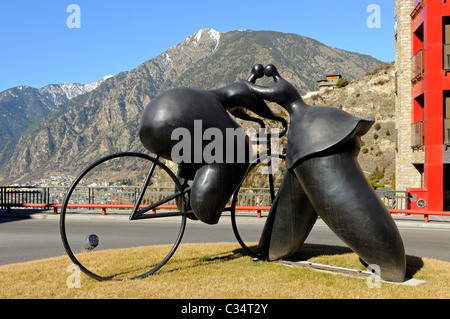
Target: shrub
x=376, y=185
x=376, y=175
x=341, y=83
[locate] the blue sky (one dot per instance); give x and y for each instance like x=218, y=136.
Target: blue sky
x=38, y=48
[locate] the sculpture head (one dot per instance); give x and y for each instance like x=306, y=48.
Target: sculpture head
x=282, y=92
x=271, y=70
x=257, y=72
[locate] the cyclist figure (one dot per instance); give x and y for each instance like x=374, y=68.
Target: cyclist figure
x=323, y=178
x=212, y=183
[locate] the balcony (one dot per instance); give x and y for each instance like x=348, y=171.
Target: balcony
x=418, y=5
x=446, y=133
x=446, y=56
x=417, y=66
x=417, y=135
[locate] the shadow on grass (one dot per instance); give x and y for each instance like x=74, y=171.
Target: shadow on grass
x=205, y=260
x=308, y=251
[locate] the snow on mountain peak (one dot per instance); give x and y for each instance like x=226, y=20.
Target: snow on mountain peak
x=215, y=35
x=195, y=38
x=66, y=91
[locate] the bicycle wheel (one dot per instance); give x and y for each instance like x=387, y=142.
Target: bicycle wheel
x=111, y=246
x=250, y=228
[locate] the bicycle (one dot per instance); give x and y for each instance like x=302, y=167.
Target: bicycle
x=146, y=211
x=175, y=206
x=322, y=178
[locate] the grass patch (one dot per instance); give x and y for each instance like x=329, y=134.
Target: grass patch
x=221, y=271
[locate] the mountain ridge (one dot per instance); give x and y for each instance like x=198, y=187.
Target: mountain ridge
x=105, y=119
x=23, y=105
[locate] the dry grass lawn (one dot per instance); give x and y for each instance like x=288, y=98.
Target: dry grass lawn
x=219, y=271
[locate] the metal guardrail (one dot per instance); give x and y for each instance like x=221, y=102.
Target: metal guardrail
x=10, y=195
x=396, y=202
x=119, y=195
x=393, y=199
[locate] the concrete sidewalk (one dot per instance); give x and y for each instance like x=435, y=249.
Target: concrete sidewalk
x=418, y=221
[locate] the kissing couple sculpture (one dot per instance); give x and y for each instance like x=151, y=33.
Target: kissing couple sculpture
x=323, y=177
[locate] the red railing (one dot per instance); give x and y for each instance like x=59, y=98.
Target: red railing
x=104, y=207
x=258, y=209
x=425, y=213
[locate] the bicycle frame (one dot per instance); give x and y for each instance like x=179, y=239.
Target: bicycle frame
x=137, y=213
x=268, y=155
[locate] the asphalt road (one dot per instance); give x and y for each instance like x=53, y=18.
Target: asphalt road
x=25, y=239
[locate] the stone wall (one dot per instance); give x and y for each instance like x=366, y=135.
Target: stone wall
x=406, y=174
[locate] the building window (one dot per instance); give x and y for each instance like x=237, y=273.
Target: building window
x=446, y=119
x=417, y=66
x=417, y=137
x=395, y=27
x=418, y=5
x=446, y=43
x=396, y=83
x=417, y=130
x=396, y=140
x=417, y=59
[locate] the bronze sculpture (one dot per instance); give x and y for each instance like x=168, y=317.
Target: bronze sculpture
x=323, y=177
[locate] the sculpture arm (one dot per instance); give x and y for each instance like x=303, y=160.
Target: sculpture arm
x=240, y=113
x=262, y=92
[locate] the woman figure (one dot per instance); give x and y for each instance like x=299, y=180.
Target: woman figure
x=200, y=113
x=323, y=177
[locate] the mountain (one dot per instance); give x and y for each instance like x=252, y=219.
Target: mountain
x=105, y=120
x=23, y=105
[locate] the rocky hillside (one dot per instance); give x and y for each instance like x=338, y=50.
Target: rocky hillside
x=371, y=95
x=105, y=120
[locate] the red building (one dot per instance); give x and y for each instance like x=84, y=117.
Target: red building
x=430, y=95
